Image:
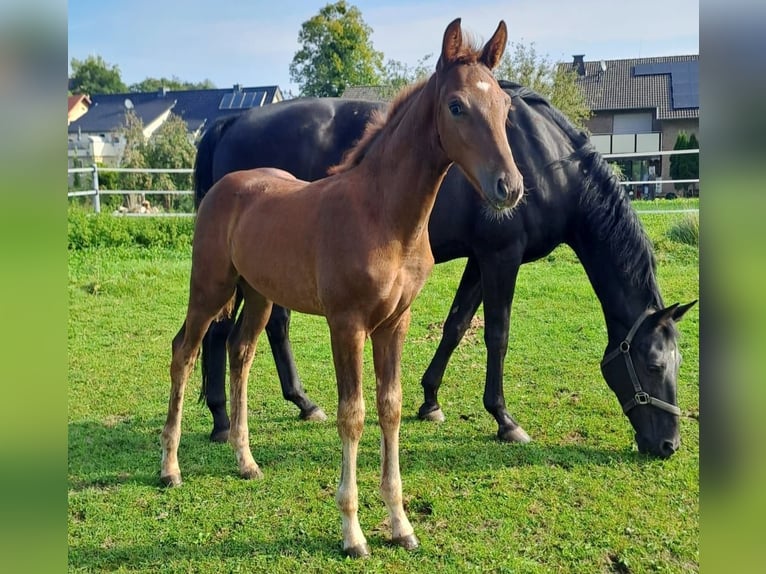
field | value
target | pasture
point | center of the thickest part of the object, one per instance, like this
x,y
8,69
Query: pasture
x,y
579,498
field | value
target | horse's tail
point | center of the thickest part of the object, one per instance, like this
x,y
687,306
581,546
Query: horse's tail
x,y
203,164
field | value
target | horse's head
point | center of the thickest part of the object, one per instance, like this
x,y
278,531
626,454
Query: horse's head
x,y
642,371
471,113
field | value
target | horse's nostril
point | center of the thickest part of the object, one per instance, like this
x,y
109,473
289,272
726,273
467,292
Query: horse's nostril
x,y
503,190
667,448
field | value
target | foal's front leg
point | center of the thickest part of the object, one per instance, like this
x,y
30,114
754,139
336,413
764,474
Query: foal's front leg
x,y
347,350
387,344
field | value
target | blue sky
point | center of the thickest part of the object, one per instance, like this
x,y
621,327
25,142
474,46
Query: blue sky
x,y
253,42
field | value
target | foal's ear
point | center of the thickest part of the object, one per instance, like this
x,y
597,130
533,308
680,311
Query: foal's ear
x,y
493,50
452,43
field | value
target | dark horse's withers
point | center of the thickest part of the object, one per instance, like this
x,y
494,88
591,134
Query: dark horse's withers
x,y
571,197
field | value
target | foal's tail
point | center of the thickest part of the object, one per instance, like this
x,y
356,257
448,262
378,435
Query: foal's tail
x,y
203,164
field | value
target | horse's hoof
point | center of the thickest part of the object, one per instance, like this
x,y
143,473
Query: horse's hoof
x,y
315,415
171,480
516,434
358,551
219,435
409,542
435,416
252,473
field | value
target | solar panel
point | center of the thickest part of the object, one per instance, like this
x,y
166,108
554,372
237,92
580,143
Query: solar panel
x,y
226,102
684,80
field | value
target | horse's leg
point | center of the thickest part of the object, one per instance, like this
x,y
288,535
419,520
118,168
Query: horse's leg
x,y
242,342
347,351
498,281
214,375
278,331
387,354
467,301
204,305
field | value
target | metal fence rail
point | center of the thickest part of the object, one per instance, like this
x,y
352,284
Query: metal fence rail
x,y
96,192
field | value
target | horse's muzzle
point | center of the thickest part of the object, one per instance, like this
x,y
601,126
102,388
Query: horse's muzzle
x,y
508,191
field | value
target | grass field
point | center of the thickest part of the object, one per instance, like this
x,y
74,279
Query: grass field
x,y
579,498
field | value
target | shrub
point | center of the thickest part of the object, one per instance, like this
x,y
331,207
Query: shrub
x,y
687,230
86,230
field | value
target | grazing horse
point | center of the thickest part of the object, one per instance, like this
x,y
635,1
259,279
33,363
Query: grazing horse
x,y
352,247
571,197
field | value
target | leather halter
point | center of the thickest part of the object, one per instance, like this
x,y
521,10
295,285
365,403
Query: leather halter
x,y
641,397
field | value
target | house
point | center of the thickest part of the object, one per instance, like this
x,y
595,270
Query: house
x,y
77,106
94,137
640,105
369,93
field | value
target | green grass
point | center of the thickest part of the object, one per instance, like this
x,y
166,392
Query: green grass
x,y
579,498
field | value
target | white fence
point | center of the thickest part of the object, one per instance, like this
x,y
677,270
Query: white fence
x,y
96,192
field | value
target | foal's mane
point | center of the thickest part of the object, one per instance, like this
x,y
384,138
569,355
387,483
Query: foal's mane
x,y
605,206
468,53
378,120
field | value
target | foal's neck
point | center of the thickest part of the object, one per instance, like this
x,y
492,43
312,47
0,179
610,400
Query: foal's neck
x,y
407,165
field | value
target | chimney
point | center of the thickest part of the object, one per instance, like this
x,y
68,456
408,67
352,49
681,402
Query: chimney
x,y
237,87
579,64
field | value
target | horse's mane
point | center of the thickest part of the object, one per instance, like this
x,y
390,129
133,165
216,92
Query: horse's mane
x,y
605,206
469,53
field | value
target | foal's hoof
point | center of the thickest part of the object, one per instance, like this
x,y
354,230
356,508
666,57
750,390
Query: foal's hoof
x,y
358,551
315,415
409,542
252,473
221,435
171,480
435,416
516,434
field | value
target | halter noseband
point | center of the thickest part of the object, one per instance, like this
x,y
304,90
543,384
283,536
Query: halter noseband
x,y
641,397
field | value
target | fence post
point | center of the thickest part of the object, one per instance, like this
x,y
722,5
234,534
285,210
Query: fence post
x,y
97,197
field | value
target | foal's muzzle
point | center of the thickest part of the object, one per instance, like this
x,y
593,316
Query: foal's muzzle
x,y
507,192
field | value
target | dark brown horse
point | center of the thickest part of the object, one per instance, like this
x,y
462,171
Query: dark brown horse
x,y
571,197
352,247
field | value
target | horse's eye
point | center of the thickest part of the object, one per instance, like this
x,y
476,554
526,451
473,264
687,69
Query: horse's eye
x,y
456,108
655,368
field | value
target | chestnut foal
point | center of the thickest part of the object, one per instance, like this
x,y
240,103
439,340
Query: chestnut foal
x,y
352,247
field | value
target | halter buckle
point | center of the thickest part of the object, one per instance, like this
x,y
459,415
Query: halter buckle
x,y
624,347
643,398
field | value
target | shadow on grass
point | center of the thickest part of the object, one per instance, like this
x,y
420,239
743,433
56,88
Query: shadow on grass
x,y
128,451
157,558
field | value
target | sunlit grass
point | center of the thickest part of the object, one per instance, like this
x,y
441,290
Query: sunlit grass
x,y
579,498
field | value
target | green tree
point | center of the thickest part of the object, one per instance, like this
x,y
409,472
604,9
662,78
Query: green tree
x,y
335,52
171,147
693,159
395,75
523,65
680,165
95,76
173,83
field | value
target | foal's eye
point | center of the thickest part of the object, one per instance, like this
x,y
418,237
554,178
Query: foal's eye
x,y
456,108
655,368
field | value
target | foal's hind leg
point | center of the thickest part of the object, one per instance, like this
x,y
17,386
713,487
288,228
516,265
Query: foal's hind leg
x,y
387,344
242,342
185,348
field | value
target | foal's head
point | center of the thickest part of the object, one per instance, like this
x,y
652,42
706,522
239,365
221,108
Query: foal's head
x,y
471,115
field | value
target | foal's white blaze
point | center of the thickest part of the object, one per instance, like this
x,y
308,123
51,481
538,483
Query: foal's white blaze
x,y
482,85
